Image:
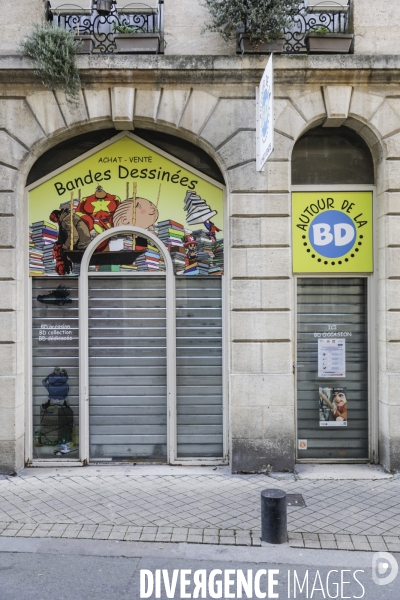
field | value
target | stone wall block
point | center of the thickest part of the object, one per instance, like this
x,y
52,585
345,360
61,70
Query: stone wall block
x,y
278,422
11,152
8,419
260,326
245,232
199,108
7,232
172,105
229,116
261,262
392,228
72,115
287,119
146,104
278,176
259,204
386,120
390,202
283,147
245,294
7,263
44,106
392,146
8,178
7,203
391,265
392,176
247,422
98,104
393,326
239,149
337,102
392,294
275,231
8,359
7,295
310,105
364,104
17,119
277,357
262,390
8,329
122,101
246,357
246,178
276,294
393,357
392,395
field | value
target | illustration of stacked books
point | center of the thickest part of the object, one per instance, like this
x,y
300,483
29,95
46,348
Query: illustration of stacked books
x,y
36,265
44,236
151,260
178,261
197,209
217,263
171,233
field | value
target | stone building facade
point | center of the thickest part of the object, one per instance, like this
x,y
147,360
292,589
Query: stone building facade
x,y
202,92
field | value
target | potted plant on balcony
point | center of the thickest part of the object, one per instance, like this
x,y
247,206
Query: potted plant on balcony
x,y
131,39
259,25
320,40
54,50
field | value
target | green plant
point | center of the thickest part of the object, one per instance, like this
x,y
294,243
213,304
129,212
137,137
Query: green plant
x,y
54,50
126,29
263,20
320,29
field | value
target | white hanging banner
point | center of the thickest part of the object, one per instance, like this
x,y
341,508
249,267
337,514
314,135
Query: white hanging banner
x,y
265,116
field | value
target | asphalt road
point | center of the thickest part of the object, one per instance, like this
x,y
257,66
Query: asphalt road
x,y
47,569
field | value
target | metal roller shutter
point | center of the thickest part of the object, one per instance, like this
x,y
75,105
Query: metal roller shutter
x,y
55,343
199,366
321,304
127,368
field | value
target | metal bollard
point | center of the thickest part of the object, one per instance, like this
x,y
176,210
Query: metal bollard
x,y
273,517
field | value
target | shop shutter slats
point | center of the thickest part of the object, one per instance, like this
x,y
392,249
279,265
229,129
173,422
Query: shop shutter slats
x,y
199,366
127,368
46,355
341,302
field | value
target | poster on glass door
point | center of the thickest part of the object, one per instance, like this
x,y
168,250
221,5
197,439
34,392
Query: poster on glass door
x,y
126,181
332,407
332,357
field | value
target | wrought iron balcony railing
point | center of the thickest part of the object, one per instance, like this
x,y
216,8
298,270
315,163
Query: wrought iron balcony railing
x,y
332,14
86,18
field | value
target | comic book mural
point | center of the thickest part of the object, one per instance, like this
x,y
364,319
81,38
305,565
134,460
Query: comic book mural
x,y
126,182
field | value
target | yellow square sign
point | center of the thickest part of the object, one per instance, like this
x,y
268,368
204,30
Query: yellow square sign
x,y
332,232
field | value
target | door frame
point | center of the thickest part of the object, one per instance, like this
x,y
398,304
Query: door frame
x,y
84,339
372,305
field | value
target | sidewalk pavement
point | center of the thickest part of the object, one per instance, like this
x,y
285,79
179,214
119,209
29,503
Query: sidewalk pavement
x,y
201,505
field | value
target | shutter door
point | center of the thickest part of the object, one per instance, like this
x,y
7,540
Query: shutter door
x,y
55,343
199,366
330,307
127,368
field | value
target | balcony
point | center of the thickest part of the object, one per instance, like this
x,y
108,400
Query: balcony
x,y
106,27
332,15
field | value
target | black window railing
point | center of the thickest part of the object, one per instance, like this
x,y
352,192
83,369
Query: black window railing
x,y
100,25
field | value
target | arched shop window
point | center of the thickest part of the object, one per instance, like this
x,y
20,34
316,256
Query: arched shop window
x,y
333,260
331,156
169,193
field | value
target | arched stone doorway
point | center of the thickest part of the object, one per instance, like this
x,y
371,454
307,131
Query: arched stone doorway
x,y
334,264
